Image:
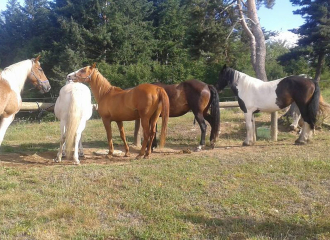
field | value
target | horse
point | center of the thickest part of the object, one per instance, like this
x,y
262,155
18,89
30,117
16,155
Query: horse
x,y
12,80
255,95
73,108
145,102
297,121
198,97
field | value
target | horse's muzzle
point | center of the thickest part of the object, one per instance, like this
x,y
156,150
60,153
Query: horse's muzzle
x,y
45,87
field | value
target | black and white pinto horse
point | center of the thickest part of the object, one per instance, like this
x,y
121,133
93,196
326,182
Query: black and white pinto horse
x,y
255,95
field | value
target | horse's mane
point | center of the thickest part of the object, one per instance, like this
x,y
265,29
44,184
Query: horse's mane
x,y
106,84
228,74
17,73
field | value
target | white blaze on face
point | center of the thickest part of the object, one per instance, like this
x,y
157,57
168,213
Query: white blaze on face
x,y
73,75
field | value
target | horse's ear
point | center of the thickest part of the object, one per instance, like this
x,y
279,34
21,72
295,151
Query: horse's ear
x,y
94,65
37,59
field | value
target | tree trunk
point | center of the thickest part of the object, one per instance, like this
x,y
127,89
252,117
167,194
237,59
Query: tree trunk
x,y
320,63
260,48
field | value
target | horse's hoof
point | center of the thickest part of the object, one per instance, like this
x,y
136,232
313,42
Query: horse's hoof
x,y
57,160
300,142
138,157
199,148
109,156
293,128
76,162
248,143
146,157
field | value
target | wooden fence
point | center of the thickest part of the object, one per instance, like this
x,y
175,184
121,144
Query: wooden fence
x,y
35,106
40,106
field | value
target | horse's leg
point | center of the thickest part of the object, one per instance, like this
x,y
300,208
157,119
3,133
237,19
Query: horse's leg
x,y
75,151
154,141
306,131
137,133
80,130
123,137
62,141
305,134
254,128
146,130
152,133
201,121
213,134
249,129
4,124
77,142
296,117
107,126
80,148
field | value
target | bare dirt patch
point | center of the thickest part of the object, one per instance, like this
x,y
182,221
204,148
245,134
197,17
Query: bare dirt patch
x,y
188,133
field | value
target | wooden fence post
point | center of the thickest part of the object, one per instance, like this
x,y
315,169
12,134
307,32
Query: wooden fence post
x,y
274,127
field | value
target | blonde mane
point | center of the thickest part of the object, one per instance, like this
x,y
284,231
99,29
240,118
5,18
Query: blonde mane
x,y
16,74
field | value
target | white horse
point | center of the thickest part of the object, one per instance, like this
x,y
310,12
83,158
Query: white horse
x,y
73,108
12,80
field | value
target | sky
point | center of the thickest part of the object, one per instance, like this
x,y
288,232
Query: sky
x,y
281,18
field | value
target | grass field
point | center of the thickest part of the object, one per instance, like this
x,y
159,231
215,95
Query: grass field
x,y
273,190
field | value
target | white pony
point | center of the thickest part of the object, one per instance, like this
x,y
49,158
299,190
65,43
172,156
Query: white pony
x,y
73,108
12,80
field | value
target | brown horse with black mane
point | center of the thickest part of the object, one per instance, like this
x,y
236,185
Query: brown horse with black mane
x,y
12,80
146,101
198,97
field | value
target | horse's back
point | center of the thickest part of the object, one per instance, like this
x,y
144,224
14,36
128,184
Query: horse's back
x,y
294,88
77,92
188,95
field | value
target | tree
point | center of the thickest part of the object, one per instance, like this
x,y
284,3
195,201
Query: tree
x,y
255,33
315,32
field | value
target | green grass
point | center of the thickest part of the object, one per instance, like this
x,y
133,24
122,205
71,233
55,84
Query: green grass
x,y
268,191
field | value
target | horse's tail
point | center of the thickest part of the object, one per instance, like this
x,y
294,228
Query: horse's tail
x,y
313,106
73,121
324,107
165,115
215,113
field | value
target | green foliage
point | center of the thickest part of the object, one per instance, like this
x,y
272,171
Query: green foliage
x,y
134,41
315,33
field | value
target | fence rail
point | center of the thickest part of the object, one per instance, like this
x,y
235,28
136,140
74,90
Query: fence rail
x,y
35,106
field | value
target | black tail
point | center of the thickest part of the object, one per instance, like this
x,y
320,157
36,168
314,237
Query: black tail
x,y
215,112
313,105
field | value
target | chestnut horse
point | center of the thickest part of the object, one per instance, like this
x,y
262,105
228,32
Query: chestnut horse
x,y
198,97
255,95
12,80
146,101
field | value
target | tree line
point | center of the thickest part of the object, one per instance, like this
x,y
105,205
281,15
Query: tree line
x,y
137,41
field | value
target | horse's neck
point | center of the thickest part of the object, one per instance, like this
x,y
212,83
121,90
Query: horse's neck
x,y
16,75
99,85
245,79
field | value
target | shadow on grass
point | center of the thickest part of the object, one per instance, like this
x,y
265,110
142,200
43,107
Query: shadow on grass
x,y
241,227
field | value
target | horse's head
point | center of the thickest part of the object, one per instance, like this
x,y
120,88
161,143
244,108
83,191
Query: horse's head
x,y
38,77
223,78
82,75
